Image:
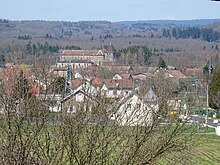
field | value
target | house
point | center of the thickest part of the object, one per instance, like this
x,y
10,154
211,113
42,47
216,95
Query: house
x,y
131,111
116,88
150,96
176,74
77,75
139,69
125,76
83,85
118,68
139,77
59,71
77,101
194,72
8,78
162,73
97,83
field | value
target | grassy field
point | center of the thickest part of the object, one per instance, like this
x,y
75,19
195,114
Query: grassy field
x,y
207,149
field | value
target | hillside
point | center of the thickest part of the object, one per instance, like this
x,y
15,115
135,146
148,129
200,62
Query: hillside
x,y
98,34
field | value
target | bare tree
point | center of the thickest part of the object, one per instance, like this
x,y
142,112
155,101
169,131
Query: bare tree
x,y
30,134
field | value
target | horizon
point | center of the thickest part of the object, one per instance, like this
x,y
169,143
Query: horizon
x,y
197,19
113,11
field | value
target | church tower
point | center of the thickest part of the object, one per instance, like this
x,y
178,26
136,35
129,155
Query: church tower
x,y
110,53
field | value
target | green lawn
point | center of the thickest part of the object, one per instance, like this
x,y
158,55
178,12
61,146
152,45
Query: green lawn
x,y
207,150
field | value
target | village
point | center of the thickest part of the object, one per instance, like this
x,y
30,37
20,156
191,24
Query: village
x,y
132,94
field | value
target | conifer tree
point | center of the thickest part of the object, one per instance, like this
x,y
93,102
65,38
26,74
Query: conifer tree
x,y
162,63
214,90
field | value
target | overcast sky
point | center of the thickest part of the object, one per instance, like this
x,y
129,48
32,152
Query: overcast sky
x,y
111,10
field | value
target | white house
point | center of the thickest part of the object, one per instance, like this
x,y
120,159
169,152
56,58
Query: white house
x,y
78,100
150,96
116,88
131,111
83,85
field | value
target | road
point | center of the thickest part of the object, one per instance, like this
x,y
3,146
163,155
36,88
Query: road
x,y
201,121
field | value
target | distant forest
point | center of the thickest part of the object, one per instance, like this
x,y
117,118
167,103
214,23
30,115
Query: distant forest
x,y
179,43
192,32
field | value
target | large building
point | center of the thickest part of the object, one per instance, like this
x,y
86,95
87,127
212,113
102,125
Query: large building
x,y
83,58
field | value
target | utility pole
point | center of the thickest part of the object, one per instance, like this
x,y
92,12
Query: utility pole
x,y
68,78
207,89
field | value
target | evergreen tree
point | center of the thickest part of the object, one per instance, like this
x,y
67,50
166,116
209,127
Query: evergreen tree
x,y
214,90
162,63
206,71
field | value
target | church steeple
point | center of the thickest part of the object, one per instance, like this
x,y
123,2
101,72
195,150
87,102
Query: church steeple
x,y
110,52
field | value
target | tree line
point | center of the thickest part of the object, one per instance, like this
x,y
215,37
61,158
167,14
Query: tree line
x,y
45,48
192,32
135,55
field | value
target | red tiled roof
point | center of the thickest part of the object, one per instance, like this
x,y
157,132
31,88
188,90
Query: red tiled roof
x,y
9,72
125,83
192,71
76,82
9,78
111,83
35,88
177,74
125,75
13,72
139,68
97,81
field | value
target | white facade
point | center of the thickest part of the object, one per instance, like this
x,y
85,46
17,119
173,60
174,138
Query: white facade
x,y
115,92
133,111
75,65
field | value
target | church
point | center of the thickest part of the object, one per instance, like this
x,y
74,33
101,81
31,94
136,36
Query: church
x,y
78,59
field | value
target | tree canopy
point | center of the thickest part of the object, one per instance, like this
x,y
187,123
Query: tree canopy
x,y
162,63
214,90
